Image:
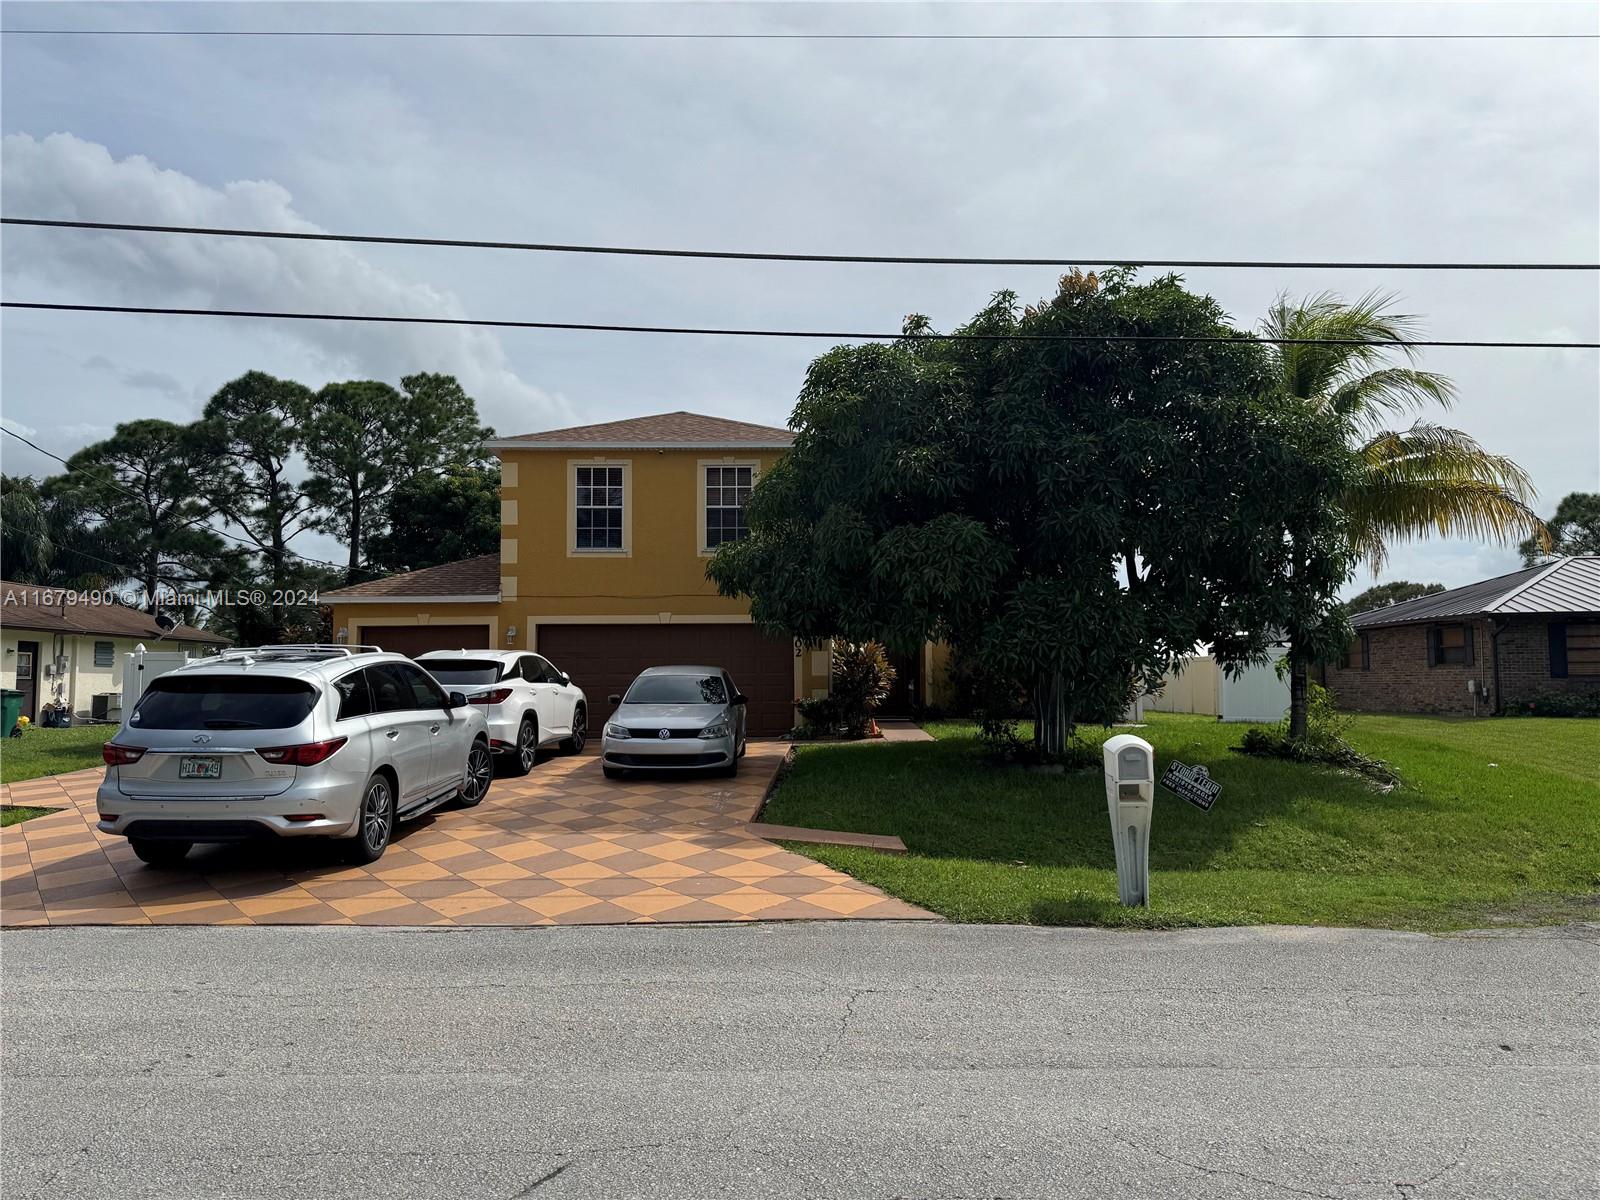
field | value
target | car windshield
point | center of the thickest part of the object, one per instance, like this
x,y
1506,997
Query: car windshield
x,y
676,689
223,702
459,672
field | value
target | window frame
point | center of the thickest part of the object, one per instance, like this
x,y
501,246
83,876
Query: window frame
x,y
573,549
111,656
1438,652
1584,670
700,506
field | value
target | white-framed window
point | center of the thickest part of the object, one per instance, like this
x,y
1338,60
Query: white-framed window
x,y
598,520
724,493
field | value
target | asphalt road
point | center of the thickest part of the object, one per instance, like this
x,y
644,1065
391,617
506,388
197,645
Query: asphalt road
x,y
815,1060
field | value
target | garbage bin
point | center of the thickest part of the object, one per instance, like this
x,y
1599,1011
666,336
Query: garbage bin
x,y
10,710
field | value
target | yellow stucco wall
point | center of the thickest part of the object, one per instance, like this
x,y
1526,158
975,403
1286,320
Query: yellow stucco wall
x,y
349,619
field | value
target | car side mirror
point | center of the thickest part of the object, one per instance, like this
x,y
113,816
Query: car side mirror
x,y
566,679
738,698
456,700
615,699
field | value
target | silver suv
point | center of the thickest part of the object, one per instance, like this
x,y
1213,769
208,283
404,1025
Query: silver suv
x,y
290,741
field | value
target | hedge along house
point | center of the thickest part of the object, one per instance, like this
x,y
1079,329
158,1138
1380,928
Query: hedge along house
x,y
64,647
605,534
1479,649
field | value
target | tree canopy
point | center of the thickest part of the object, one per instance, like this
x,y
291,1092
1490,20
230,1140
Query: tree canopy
x,y
1384,594
1074,513
1574,529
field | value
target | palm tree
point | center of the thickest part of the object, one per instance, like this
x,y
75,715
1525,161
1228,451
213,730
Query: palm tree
x,y
1423,479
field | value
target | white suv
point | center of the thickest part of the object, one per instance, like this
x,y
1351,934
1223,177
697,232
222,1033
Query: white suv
x,y
529,703
290,741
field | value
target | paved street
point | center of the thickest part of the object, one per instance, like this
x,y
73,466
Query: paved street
x,y
798,1060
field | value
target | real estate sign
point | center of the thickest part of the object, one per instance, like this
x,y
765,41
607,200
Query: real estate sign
x,y
1194,784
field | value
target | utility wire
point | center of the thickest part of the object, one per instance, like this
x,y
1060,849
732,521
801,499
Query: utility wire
x,y
775,256
600,35
838,335
248,543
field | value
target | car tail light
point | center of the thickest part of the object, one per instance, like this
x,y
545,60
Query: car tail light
x,y
303,817
116,755
307,754
494,696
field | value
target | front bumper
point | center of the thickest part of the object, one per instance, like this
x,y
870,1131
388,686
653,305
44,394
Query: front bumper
x,y
225,820
653,754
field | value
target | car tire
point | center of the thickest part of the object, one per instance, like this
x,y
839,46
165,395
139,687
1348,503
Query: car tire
x,y
158,852
580,732
374,821
731,769
526,752
614,772
480,774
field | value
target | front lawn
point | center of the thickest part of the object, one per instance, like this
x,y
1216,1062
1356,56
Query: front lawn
x,y
41,751
1495,820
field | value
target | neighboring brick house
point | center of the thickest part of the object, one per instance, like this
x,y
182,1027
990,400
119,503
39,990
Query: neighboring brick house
x,y
1474,650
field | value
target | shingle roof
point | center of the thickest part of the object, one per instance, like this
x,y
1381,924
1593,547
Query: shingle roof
x,y
57,610
664,430
467,577
1568,585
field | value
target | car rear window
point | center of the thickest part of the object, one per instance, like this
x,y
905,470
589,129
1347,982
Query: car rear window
x,y
458,671
223,702
676,689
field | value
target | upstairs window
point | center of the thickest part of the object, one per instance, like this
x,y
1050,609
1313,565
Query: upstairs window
x,y
727,491
598,508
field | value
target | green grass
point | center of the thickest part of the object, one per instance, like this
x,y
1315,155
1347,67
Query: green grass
x,y
1495,821
15,814
42,751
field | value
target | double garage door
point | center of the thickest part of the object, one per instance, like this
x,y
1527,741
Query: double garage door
x,y
603,659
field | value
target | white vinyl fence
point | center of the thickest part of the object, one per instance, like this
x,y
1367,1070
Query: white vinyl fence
x,y
141,666
1259,695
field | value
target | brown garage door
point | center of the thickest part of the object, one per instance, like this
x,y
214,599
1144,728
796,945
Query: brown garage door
x,y
413,640
603,659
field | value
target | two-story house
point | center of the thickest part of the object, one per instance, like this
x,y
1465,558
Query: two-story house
x,y
605,535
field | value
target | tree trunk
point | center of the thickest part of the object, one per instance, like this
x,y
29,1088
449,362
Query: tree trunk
x,y
1299,671
355,538
1052,723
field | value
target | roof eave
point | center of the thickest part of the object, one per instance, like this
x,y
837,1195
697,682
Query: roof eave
x,y
512,444
359,598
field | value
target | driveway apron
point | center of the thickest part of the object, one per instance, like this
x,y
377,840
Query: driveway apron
x,y
561,846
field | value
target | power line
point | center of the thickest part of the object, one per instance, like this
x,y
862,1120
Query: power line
x,y
837,335
248,543
603,35
774,256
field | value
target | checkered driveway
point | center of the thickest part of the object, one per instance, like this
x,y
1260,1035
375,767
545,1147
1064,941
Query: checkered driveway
x,y
563,846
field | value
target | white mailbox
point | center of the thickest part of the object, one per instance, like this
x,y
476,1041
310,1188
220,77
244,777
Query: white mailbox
x,y
1130,795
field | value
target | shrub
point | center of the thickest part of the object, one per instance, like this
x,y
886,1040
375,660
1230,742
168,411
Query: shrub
x,y
1324,741
860,682
1556,704
861,679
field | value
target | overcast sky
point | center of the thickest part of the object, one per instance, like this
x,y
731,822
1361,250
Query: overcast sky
x,y
1304,149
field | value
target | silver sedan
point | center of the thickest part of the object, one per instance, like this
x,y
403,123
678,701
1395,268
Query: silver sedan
x,y
676,718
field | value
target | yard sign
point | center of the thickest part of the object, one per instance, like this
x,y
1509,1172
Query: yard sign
x,y
1194,784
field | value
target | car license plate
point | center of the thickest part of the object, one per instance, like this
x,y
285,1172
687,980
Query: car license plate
x,y
199,768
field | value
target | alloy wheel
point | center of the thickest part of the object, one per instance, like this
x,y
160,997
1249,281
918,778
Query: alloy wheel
x,y
480,770
580,730
375,816
527,745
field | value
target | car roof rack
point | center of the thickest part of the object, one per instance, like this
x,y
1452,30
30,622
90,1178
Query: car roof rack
x,y
292,652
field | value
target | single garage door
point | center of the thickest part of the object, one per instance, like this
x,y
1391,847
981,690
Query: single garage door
x,y
603,659
412,640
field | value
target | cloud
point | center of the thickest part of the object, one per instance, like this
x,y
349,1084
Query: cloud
x,y
65,177
26,431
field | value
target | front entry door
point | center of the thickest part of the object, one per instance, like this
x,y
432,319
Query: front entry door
x,y
905,692
28,678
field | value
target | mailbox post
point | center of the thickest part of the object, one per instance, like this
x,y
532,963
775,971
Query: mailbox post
x,y
1130,764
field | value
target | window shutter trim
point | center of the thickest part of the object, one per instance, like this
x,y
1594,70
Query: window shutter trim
x,y
1558,649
